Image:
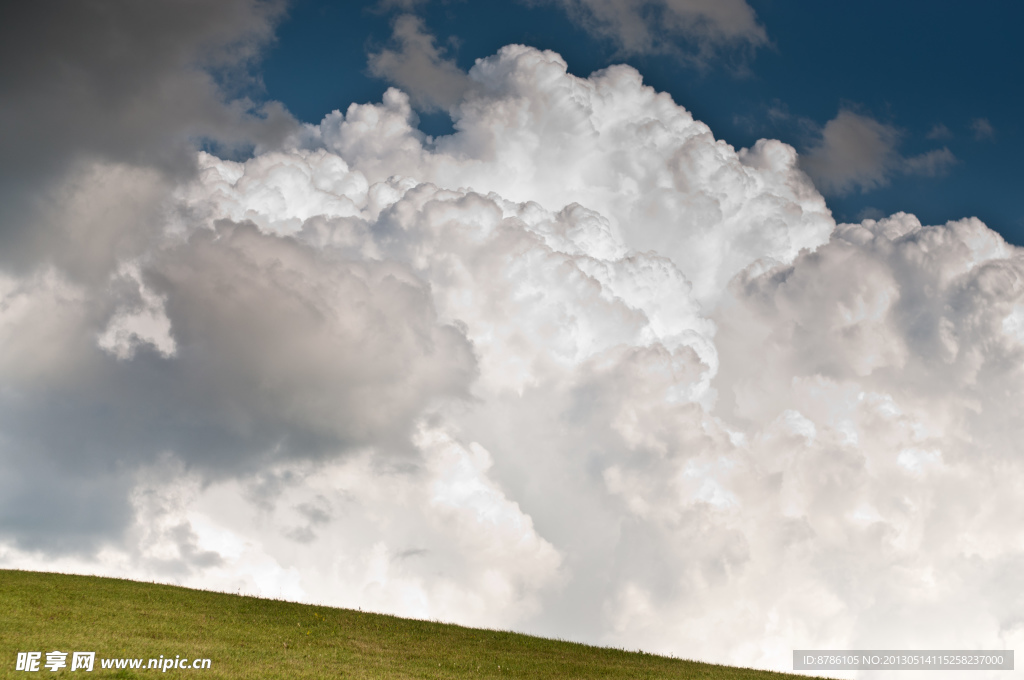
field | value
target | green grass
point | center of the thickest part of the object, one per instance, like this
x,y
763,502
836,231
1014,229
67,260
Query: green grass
x,y
249,637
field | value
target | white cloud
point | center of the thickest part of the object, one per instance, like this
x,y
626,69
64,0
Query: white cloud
x,y
578,368
436,540
531,132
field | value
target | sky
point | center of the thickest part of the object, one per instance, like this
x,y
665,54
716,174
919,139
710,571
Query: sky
x,y
932,76
685,326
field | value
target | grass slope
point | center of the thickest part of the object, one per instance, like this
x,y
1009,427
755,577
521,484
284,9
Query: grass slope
x,y
249,637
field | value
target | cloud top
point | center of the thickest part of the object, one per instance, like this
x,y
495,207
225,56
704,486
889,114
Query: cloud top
x,y
530,131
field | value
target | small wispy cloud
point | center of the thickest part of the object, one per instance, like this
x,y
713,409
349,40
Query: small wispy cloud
x,y
403,5
857,152
982,129
854,152
418,66
657,26
939,131
930,164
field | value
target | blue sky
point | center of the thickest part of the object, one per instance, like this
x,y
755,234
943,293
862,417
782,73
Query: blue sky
x,y
930,72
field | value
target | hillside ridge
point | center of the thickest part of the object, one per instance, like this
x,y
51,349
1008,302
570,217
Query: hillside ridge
x,y
130,624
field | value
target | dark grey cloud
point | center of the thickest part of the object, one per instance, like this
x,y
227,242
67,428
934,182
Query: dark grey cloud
x,y
280,352
117,81
295,348
102,104
51,506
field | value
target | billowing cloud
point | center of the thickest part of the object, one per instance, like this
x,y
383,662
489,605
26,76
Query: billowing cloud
x,y
578,368
644,26
858,152
609,143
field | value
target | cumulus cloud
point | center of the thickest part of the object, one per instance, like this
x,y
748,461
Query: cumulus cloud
x,y
858,152
578,368
645,26
895,390
609,143
419,67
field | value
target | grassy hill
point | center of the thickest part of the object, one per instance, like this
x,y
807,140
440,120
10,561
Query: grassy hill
x,y
249,637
